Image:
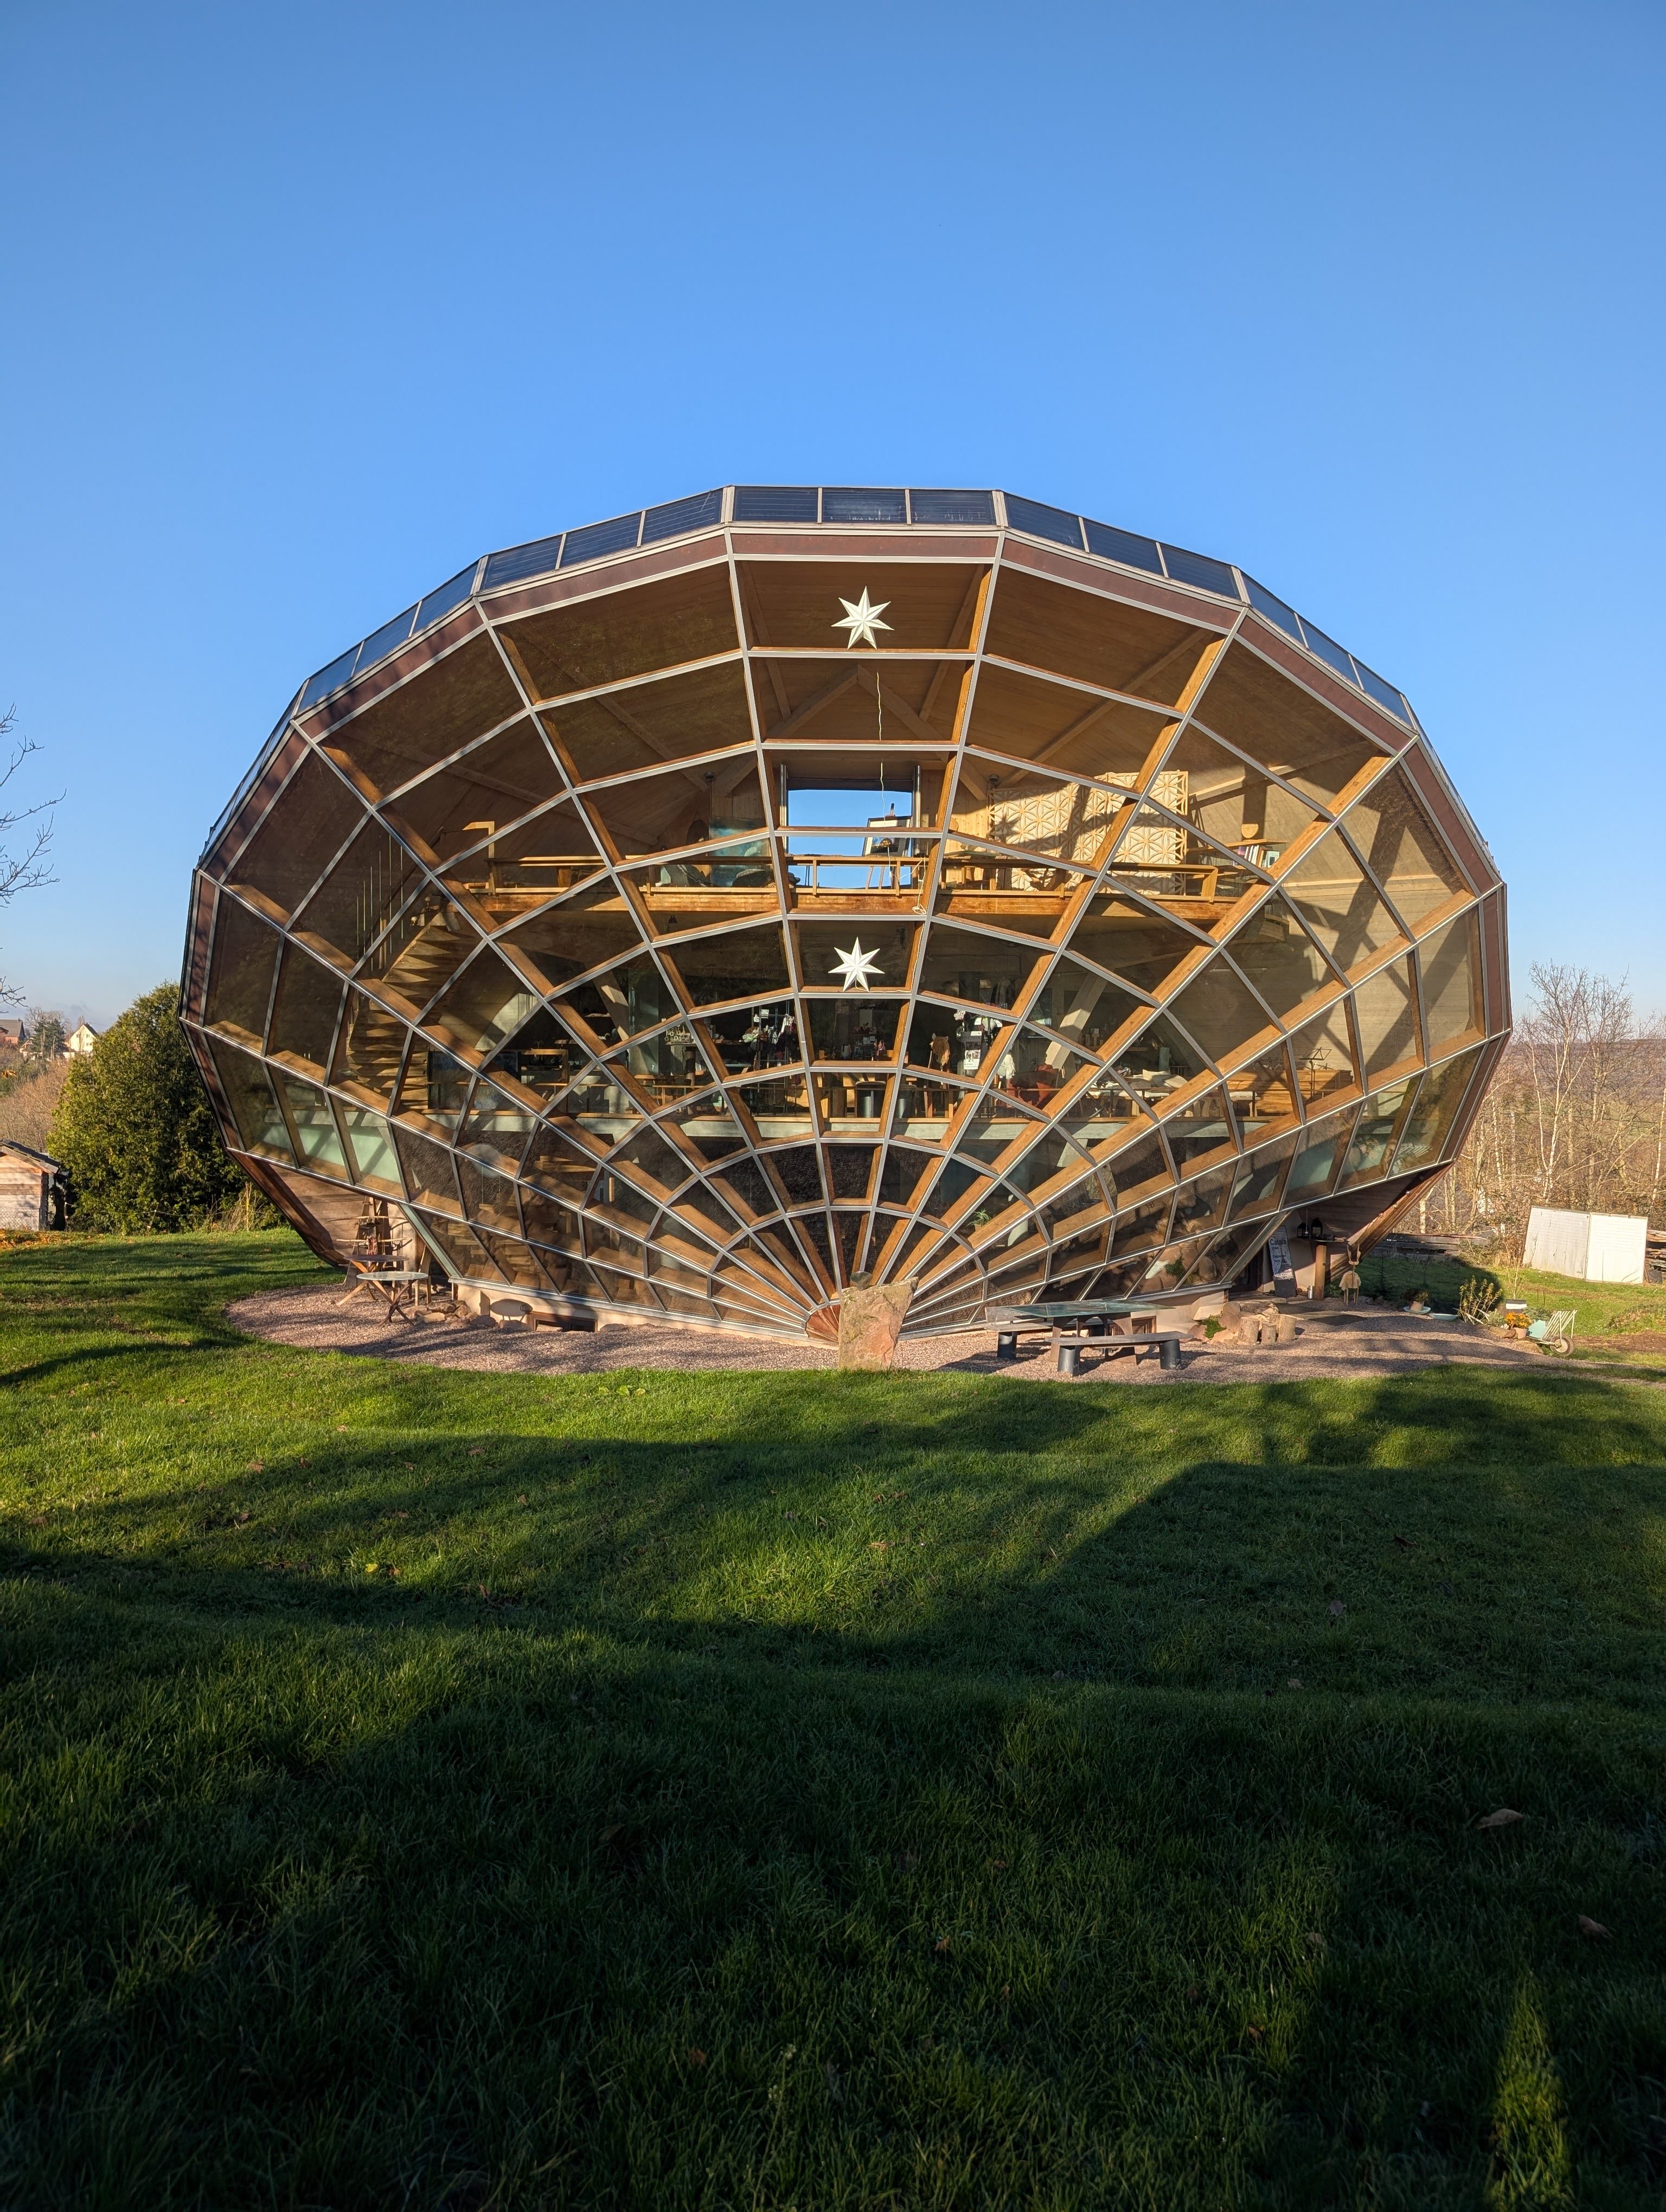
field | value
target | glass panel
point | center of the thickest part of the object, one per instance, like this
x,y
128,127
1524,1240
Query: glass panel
x,y
853,1029
593,926
1135,1167
976,509
1198,569
904,1177
1256,1188
1158,1061
707,1125
617,535
797,1168
487,1002
1279,958
360,895
314,1125
1451,961
1285,728
540,1057
1431,1119
741,964
1169,1270
980,882
515,870
1339,903
516,562
1218,1008
370,1145
1142,1227
1096,641
1385,1006
675,516
1324,1058
1315,1162
435,1086
1201,1131
422,952
240,979
496,1127
690,806
372,1044
780,1109
552,1226
963,964
254,1109
778,503
945,1041
1033,1067
489,1200
654,1163
879,951
1234,802
517,1262
312,818
1070,733
844,503
669,1066
1082,1005
1227,1256
492,786
1374,1133
1113,545
1039,520
1403,849
1201,1204
459,1250
854,1105
705,711
1133,941
448,595
459,697
624,1000
1264,1094
559,1164
305,1011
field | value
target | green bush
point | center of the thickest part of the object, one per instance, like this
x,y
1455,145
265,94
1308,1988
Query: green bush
x,y
137,1132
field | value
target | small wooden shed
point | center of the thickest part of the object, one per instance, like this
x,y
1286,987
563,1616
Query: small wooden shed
x,y
31,1187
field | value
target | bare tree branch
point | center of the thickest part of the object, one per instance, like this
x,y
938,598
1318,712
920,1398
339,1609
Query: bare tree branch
x,y
28,868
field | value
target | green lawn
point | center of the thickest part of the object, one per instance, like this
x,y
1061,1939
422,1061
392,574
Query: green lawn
x,y
812,1790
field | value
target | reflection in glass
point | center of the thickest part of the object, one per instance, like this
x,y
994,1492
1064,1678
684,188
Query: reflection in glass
x,y
1451,961
1431,1119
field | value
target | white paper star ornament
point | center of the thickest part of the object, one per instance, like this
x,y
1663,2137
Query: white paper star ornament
x,y
856,967
861,619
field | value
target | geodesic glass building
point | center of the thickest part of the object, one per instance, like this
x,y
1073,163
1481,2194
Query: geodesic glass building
x,y
683,914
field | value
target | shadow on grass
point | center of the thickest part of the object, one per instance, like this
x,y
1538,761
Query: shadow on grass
x,y
713,1829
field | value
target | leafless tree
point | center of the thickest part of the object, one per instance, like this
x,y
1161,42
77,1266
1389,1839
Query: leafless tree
x,y
1576,1115
27,867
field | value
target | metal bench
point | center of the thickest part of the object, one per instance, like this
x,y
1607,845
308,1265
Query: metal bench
x,y
1070,1348
1089,1318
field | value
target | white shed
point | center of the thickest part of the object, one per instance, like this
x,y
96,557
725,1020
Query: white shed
x,y
1594,1248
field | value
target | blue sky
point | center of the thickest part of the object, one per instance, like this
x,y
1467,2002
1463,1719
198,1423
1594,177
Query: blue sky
x,y
308,306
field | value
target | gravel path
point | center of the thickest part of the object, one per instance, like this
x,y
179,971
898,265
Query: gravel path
x,y
1364,1340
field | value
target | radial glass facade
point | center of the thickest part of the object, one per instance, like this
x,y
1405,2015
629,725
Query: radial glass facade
x,y
686,913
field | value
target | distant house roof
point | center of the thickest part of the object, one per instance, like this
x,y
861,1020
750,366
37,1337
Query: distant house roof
x,y
28,1156
12,1032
